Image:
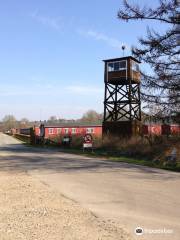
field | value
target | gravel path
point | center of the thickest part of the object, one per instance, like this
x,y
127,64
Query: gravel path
x,y
30,210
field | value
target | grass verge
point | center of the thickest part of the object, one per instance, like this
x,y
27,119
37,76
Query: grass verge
x,y
117,157
113,156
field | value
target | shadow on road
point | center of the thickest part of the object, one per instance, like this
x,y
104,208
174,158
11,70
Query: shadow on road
x,y
17,157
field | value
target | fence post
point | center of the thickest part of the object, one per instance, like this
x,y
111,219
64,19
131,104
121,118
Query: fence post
x,y
32,136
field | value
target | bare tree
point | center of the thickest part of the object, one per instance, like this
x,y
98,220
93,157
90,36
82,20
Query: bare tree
x,y
24,123
91,116
161,51
52,120
9,122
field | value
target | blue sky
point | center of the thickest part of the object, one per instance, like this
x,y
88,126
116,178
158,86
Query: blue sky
x,y
52,52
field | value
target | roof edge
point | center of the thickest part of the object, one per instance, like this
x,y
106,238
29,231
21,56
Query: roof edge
x,y
121,58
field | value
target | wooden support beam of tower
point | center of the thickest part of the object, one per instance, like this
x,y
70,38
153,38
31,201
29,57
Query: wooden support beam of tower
x,y
122,101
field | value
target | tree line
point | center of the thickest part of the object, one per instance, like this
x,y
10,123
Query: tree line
x,y
90,117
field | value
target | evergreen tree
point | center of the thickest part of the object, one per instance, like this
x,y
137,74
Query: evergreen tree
x,y
161,51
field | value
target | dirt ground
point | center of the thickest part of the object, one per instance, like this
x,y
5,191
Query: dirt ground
x,y
30,210
48,194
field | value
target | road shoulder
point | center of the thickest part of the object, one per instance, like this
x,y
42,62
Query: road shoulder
x,y
32,210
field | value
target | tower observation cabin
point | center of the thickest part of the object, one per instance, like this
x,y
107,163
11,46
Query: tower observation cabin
x,y
122,105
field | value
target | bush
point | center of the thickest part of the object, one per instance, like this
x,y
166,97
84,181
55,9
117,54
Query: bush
x,y
154,148
77,141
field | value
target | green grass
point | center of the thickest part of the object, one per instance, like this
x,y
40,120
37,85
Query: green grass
x,y
144,162
113,156
116,157
131,160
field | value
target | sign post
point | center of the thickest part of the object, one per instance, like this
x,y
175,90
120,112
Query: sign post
x,y
66,141
88,142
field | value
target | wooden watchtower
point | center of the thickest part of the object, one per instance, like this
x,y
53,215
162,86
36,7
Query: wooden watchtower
x,y
122,104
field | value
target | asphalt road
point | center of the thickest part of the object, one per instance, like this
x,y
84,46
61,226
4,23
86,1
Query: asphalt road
x,y
134,196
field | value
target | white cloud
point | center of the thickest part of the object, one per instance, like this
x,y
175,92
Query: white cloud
x,y
51,22
113,42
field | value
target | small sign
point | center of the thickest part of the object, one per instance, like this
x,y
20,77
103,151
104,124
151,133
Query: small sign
x,y
88,138
87,145
66,141
88,141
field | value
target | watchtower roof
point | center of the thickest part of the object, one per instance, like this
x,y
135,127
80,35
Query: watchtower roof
x,y
120,59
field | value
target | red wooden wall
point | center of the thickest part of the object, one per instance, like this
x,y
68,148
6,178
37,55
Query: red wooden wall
x,y
53,131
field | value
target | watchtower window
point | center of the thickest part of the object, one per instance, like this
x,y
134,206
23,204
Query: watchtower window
x,y
135,66
117,66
